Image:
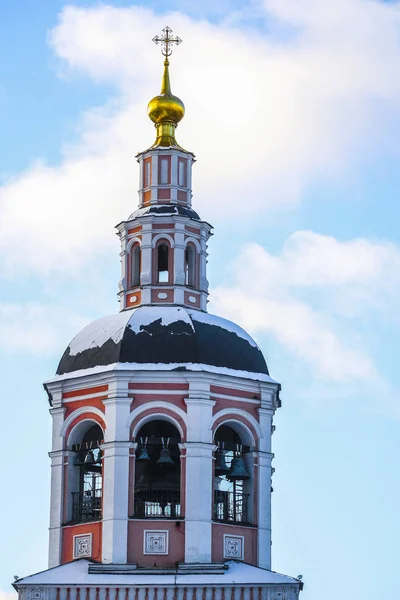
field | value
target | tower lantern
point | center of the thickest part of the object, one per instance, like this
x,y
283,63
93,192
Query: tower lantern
x,y
162,419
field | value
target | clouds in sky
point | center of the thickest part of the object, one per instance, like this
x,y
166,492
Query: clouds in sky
x,y
281,110
7,595
268,114
313,297
36,329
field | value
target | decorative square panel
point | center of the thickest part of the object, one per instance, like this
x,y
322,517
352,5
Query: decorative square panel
x,y
83,545
155,542
281,593
234,547
37,594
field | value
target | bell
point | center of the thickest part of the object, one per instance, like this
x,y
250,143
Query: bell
x,y
165,457
238,471
89,459
79,461
143,454
221,468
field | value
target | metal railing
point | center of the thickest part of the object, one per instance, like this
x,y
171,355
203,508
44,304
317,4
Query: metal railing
x,y
86,506
161,504
231,507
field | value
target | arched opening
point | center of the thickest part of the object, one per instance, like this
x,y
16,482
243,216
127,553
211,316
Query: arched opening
x,y
190,266
157,472
87,477
232,478
162,263
135,265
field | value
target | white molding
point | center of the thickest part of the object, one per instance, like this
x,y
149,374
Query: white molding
x,y
156,405
218,396
85,397
164,533
89,410
82,535
171,392
238,538
163,236
240,413
132,241
194,242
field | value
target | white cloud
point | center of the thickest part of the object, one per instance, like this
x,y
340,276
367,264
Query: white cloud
x,y
313,298
8,595
37,329
282,108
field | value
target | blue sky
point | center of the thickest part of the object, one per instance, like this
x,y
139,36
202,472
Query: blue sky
x,y
293,113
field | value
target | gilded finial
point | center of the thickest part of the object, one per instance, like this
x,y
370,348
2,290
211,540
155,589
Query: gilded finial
x,y
166,110
167,41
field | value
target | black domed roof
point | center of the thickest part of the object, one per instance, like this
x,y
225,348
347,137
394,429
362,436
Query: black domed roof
x,y
168,337
165,209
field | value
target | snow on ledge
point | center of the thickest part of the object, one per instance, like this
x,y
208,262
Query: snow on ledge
x,y
180,367
76,573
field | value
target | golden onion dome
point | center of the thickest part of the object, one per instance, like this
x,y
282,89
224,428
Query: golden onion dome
x,y
166,111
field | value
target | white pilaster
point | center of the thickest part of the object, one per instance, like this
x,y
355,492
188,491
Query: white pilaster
x,y
116,473
198,474
56,507
146,249
179,257
264,490
57,480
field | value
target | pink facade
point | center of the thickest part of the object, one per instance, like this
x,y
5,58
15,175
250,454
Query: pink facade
x,y
136,550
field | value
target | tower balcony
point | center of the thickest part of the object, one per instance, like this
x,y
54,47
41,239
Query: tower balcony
x,y
157,504
231,507
86,506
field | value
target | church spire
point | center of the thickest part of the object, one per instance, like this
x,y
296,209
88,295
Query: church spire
x,y
166,110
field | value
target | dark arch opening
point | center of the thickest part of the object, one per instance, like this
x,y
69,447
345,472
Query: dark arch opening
x,y
162,263
190,266
86,501
158,471
135,257
232,483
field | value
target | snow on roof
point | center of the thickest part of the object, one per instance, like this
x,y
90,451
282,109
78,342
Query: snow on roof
x,y
97,333
169,314
210,319
76,573
163,367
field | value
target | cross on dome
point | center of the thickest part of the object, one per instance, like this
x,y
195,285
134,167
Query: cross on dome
x,y
167,41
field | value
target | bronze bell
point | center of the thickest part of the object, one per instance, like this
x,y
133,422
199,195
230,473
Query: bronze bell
x,y
98,457
238,471
143,454
165,457
89,459
79,461
221,468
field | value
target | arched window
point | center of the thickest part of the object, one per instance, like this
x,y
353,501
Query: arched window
x,y
86,498
135,265
157,472
232,481
162,263
190,266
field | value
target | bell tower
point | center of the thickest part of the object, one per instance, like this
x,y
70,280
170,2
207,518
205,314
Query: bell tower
x,y
164,243
162,413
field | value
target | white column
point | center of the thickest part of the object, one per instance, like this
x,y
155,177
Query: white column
x,y
57,482
179,254
116,473
264,490
189,180
146,249
199,448
154,178
203,261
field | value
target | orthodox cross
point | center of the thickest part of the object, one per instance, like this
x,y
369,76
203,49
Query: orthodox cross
x,y
167,41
